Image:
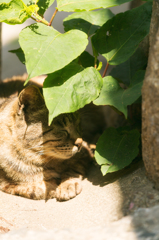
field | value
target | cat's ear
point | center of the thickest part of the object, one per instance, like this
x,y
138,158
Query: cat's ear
x,y
31,98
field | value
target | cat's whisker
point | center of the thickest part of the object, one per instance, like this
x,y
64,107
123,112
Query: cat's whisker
x,y
37,146
40,152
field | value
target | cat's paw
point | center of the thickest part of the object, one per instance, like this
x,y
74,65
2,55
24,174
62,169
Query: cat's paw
x,y
68,189
89,148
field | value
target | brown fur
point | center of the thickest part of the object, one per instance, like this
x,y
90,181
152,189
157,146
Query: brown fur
x,y
36,160
39,161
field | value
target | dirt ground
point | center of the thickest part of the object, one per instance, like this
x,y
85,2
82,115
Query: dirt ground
x,y
102,201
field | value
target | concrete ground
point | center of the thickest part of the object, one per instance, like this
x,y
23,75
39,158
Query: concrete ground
x,y
102,201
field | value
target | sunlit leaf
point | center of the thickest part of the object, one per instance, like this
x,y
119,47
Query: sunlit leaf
x,y
47,50
15,12
86,5
71,88
88,22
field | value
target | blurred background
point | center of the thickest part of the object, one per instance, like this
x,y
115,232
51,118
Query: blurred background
x,y
11,65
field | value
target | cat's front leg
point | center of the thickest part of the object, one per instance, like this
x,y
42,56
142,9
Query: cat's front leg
x,y
33,190
69,188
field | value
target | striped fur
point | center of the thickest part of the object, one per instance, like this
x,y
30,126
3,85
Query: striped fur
x,y
39,161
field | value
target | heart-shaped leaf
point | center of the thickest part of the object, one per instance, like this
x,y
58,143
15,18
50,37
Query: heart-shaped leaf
x,y
116,149
47,50
120,36
112,94
71,88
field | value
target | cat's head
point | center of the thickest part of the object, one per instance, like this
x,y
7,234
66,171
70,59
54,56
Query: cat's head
x,y
59,140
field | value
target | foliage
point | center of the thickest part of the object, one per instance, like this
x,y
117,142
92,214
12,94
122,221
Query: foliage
x,y
114,95
51,49
73,78
119,37
71,89
110,152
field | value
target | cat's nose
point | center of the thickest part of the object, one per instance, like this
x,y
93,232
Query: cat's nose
x,y
78,142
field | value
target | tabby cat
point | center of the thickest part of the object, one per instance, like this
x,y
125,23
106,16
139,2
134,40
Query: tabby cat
x,y
39,161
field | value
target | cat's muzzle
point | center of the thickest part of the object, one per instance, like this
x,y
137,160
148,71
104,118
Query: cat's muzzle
x,y
77,145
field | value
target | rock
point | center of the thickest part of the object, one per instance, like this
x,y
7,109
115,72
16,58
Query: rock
x,y
150,100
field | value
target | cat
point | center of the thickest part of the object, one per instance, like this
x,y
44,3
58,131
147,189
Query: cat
x,y
39,161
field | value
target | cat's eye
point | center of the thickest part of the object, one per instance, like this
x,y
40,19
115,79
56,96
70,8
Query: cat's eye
x,y
61,134
47,131
65,133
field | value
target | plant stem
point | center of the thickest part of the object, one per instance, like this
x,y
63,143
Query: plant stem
x,y
95,62
54,14
38,18
105,70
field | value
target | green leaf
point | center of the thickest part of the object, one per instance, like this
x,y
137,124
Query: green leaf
x,y
112,94
44,5
47,50
15,12
88,22
30,2
20,54
4,1
124,72
27,2
120,36
116,149
86,60
86,5
71,88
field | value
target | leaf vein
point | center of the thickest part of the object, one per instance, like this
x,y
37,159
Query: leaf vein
x,y
127,40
